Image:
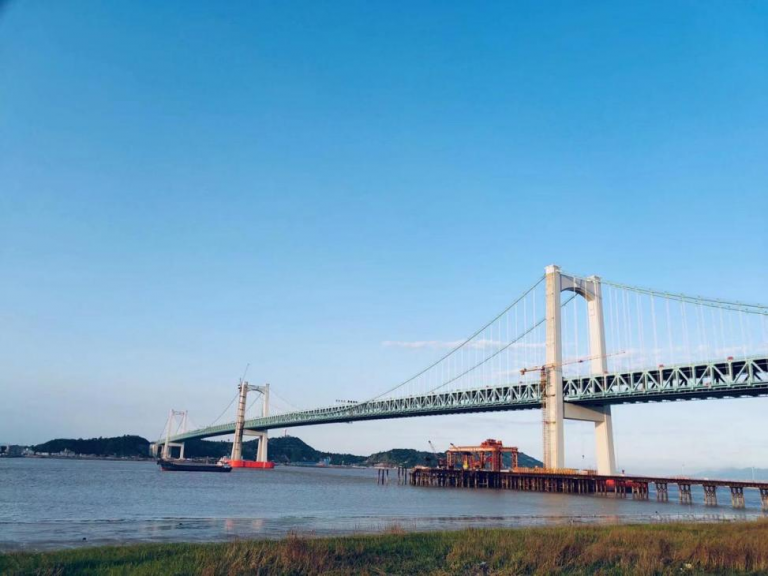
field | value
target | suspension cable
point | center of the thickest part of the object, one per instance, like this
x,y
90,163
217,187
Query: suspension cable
x,y
291,404
224,411
499,351
749,308
460,346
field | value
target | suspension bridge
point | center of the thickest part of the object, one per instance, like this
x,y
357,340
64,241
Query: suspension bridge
x,y
570,346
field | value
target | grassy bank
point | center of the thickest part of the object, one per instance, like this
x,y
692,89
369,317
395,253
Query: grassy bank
x,y
642,549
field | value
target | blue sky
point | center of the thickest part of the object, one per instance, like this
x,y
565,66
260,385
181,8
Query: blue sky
x,y
189,187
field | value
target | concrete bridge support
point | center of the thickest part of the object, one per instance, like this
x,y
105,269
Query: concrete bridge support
x,y
710,495
261,450
555,411
662,492
764,498
737,496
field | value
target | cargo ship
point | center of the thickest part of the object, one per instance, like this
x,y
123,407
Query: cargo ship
x,y
189,466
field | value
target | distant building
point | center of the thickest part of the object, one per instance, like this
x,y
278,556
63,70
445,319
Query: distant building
x,y
11,451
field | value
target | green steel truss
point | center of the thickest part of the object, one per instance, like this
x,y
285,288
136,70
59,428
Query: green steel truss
x,y
711,380
731,378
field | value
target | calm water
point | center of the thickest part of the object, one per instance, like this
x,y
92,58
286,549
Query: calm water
x,y
46,504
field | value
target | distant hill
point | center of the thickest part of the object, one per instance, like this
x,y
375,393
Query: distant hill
x,y
401,457
744,474
281,449
122,446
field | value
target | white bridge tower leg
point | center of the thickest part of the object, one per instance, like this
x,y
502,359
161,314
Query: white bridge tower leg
x,y
261,454
552,395
606,457
555,409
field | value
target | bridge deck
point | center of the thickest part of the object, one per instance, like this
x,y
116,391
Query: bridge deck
x,y
726,379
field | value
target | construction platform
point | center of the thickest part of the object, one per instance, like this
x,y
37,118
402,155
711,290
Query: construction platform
x,y
580,482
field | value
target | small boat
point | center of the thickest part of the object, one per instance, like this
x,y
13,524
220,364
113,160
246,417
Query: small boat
x,y
188,466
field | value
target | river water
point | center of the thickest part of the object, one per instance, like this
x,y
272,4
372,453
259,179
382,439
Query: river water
x,y
51,504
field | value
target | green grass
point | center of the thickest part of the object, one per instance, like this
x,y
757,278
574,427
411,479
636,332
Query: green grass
x,y
643,549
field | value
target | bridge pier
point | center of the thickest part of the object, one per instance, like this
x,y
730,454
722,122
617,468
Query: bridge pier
x,y
261,449
640,490
710,495
662,492
555,411
737,496
685,493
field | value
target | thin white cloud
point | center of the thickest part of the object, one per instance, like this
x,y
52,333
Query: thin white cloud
x,y
480,344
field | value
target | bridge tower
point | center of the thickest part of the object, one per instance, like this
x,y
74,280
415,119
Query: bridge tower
x,y
167,446
240,431
555,410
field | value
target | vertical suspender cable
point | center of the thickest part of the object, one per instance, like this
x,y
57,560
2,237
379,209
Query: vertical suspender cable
x,y
655,336
669,330
619,332
764,329
516,352
743,337
576,334
731,340
686,340
525,326
715,352
723,344
625,313
703,348
640,327
608,293
509,352
534,312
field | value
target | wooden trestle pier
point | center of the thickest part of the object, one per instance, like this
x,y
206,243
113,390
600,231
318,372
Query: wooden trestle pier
x,y
576,482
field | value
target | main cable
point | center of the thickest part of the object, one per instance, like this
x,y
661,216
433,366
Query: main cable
x,y
224,411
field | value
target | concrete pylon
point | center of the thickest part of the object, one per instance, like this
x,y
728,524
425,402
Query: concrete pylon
x,y
555,409
237,443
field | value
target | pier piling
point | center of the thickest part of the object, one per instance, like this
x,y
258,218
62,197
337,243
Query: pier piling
x,y
577,482
737,496
710,495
